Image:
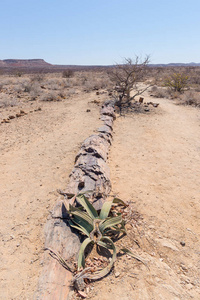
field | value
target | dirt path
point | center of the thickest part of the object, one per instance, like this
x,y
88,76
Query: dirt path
x,y
37,156
155,164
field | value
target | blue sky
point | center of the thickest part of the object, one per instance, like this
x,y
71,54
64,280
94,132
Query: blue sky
x,y
100,32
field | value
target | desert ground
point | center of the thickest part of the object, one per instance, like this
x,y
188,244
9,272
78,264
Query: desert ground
x,y
154,163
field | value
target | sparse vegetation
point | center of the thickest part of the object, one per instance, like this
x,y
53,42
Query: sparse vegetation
x,y
176,82
190,98
99,229
123,82
127,78
51,96
68,73
6,100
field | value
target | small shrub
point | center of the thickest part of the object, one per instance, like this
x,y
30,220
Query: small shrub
x,y
66,83
18,73
159,92
18,88
70,92
6,100
176,82
100,229
68,73
35,91
190,98
37,78
49,97
27,86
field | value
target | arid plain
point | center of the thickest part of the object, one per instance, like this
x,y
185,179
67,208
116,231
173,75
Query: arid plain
x,y
154,164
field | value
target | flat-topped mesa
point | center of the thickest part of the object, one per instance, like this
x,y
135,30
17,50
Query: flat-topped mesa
x,y
90,172
20,63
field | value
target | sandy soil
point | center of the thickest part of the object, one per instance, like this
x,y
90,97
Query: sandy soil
x,y
155,164
155,167
37,156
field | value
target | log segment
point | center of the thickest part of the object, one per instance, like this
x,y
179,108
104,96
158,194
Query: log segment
x,y
90,172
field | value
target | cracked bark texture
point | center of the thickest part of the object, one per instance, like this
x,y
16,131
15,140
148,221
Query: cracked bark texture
x,y
90,172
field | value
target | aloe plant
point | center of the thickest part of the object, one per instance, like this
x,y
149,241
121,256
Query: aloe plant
x,y
96,227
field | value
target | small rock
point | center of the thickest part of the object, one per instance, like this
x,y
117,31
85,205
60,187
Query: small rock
x,y
168,244
5,121
189,286
88,110
182,243
155,104
11,117
141,99
117,274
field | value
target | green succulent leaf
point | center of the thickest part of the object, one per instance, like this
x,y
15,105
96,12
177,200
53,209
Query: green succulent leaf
x,y
108,245
110,223
81,214
82,223
79,227
107,207
81,256
87,206
105,210
119,201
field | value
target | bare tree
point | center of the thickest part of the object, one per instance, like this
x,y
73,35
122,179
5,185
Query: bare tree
x,y
127,78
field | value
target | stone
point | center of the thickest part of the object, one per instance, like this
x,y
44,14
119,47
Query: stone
x,y
90,172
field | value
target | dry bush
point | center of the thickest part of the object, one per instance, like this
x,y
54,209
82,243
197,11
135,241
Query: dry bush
x,y
92,81
177,82
68,73
66,83
7,100
159,92
162,92
53,83
190,98
50,96
27,86
127,77
18,88
194,76
70,92
37,78
6,81
35,91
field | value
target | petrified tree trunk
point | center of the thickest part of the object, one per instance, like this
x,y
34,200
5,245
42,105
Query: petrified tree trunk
x,y
90,173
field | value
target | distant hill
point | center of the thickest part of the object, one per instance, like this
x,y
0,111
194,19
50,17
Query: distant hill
x,y
192,64
40,65
21,63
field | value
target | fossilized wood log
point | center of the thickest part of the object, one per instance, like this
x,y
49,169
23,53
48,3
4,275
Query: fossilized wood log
x,y
95,145
90,172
